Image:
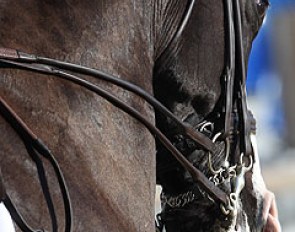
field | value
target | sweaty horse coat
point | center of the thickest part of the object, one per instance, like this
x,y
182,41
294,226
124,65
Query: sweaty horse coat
x,y
107,157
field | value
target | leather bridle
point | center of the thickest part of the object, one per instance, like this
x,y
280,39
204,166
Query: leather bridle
x,y
234,103
238,125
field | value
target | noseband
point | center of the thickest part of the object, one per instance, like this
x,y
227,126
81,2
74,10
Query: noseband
x,y
234,104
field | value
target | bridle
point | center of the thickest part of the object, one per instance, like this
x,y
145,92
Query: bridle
x,y
238,123
235,103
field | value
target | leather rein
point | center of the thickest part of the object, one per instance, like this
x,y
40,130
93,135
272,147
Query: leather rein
x,y
235,102
238,126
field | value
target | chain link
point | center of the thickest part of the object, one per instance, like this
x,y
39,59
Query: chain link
x,y
180,200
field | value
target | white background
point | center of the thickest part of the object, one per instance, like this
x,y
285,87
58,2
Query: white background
x,y
5,220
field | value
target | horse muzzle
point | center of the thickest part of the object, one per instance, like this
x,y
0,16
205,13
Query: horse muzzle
x,y
270,213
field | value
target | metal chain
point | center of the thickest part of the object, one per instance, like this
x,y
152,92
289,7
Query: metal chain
x,y
180,200
235,175
237,183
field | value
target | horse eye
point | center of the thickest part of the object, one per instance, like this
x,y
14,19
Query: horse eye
x,y
262,6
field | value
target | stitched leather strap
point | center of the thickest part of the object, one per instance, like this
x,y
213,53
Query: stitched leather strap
x,y
35,147
50,66
16,216
216,193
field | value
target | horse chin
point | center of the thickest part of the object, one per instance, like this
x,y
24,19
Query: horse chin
x,y
270,213
257,209
255,212
268,209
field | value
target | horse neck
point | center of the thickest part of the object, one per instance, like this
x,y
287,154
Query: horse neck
x,y
113,35
107,157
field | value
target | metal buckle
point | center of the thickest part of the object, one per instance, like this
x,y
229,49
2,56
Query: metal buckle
x,y
225,172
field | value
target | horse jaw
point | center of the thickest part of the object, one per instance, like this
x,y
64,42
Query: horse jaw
x,y
266,204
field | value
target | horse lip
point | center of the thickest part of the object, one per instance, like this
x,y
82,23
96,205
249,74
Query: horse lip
x,y
270,213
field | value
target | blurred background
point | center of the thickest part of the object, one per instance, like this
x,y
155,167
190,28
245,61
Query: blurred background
x,y
271,92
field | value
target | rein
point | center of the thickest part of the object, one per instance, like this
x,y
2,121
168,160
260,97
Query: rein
x,y
235,103
238,123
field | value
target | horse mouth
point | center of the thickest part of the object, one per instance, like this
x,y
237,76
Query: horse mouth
x,y
270,213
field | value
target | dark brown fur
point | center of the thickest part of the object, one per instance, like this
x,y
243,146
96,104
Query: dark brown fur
x,y
107,157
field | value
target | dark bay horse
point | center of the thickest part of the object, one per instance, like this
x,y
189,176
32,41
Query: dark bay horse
x,y
107,157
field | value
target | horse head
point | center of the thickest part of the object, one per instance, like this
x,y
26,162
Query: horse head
x,y
174,49
192,73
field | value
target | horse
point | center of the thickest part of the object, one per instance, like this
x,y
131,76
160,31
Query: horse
x,y
107,157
